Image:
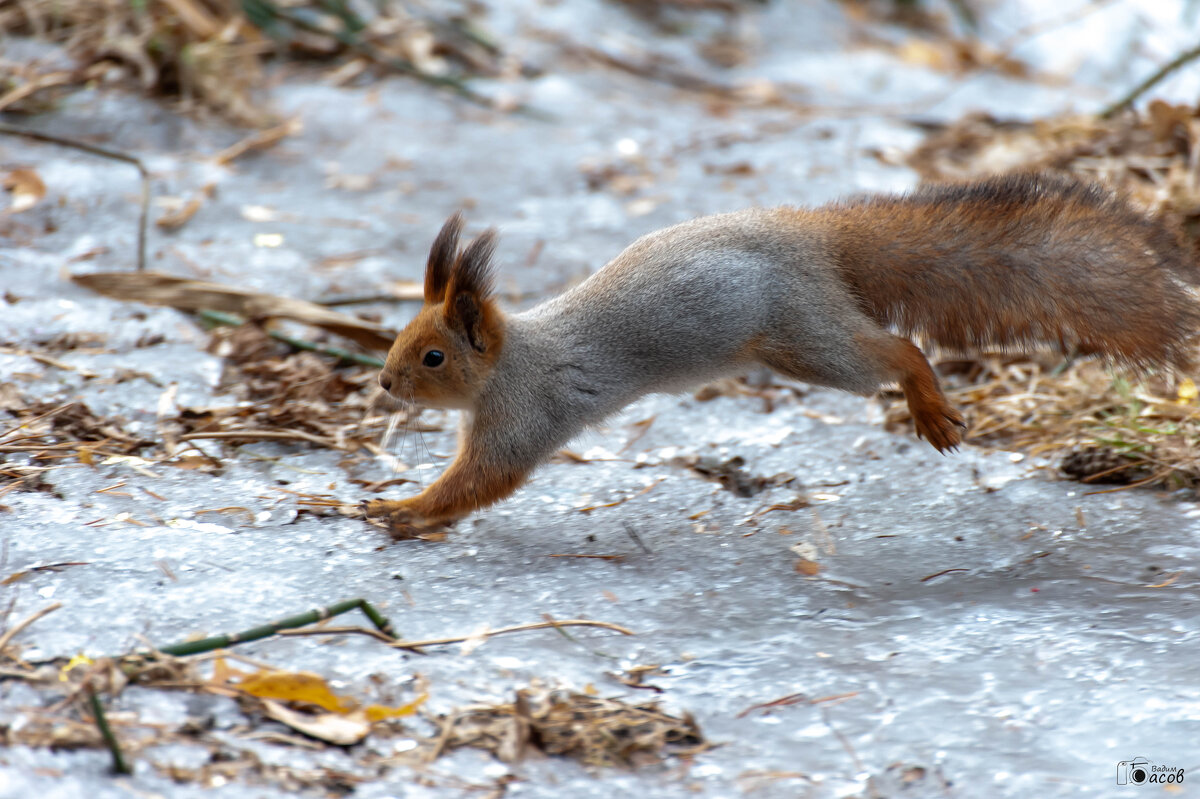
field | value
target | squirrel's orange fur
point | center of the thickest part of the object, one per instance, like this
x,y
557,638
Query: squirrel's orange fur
x,y
814,294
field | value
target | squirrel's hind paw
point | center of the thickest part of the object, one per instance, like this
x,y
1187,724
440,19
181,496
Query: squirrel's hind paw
x,y
942,427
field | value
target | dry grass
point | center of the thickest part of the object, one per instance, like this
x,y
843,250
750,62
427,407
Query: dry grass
x,y
1152,155
594,730
1098,425
211,53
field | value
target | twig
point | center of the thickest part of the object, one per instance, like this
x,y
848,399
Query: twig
x,y
364,299
1162,72
21,625
261,435
624,499
60,446
637,539
224,319
796,699
858,764
378,636
263,631
120,766
38,418
655,69
34,86
49,361
257,141
935,575
1152,478
443,737
541,625
103,152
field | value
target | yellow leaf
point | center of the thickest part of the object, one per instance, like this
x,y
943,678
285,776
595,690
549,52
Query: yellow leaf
x,y
380,712
79,660
224,674
295,686
922,54
1187,391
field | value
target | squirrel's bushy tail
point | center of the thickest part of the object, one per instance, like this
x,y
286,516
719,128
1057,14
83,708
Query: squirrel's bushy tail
x,y
1020,260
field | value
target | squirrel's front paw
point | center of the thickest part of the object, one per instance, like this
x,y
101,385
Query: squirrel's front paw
x,y
402,522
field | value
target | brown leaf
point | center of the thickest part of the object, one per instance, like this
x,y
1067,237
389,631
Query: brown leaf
x,y
809,568
180,216
26,188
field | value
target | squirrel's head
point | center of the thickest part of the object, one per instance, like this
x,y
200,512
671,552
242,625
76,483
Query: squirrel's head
x,y
442,358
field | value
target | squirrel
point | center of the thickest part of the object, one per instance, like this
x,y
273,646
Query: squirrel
x,y
814,294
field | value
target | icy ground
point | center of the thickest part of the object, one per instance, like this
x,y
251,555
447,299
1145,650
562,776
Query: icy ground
x,y
1060,636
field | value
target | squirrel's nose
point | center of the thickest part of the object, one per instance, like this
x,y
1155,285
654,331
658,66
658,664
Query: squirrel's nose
x,y
385,382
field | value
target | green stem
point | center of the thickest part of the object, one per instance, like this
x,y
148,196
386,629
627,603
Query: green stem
x,y
262,631
120,766
219,318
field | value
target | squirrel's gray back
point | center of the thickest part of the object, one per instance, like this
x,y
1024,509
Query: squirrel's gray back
x,y
677,307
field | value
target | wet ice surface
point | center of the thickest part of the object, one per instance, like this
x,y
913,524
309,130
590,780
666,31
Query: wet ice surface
x,y
1039,656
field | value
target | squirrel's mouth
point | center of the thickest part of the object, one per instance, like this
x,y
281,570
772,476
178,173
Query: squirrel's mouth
x,y
387,402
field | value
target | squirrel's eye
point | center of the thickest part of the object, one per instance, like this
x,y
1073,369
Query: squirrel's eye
x,y
433,358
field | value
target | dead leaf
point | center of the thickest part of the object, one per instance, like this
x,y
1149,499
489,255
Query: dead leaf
x,y
295,686
332,728
475,640
185,210
26,188
154,288
260,141
381,712
407,290
809,568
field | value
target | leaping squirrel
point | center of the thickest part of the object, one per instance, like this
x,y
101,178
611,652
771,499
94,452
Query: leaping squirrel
x,y
810,293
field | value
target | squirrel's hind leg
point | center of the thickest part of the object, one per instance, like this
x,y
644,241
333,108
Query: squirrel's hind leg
x,y
935,419
868,358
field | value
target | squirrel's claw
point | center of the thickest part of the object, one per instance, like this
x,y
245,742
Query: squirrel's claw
x,y
943,428
401,522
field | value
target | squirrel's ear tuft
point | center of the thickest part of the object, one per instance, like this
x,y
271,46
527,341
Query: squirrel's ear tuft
x,y
472,273
468,297
442,256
